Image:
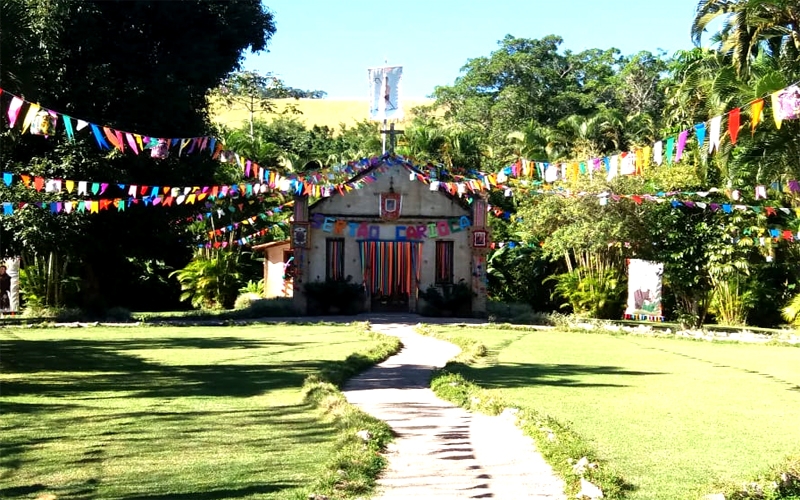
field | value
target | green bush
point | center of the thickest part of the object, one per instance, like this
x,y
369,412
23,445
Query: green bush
x,y
334,296
245,299
267,308
519,314
118,314
447,300
211,280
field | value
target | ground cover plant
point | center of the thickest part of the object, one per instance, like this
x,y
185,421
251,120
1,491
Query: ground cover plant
x,y
666,418
179,412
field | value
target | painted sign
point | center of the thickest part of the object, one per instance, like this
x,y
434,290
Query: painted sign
x,y
644,290
394,232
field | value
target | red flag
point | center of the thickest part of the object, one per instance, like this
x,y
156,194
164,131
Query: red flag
x,y
733,124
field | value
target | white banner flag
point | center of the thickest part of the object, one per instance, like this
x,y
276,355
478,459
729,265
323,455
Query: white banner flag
x,y
384,93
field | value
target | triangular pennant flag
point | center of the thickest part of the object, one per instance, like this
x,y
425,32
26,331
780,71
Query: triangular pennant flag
x,y
733,124
776,109
81,125
32,110
120,140
70,186
68,127
755,114
8,178
98,135
714,130
111,136
658,149
700,132
682,137
670,149
13,111
131,142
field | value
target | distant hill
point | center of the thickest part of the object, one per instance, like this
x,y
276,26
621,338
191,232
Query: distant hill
x,y
330,112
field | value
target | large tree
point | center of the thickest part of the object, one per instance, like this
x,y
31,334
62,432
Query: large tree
x,y
139,66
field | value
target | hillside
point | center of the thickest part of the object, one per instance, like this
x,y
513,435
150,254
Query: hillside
x,y
323,112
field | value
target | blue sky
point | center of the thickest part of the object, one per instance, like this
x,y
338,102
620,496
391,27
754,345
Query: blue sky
x,y
329,44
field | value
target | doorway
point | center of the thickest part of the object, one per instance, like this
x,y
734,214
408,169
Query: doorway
x,y
391,273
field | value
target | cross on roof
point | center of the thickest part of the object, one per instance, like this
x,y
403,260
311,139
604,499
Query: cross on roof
x,y
392,133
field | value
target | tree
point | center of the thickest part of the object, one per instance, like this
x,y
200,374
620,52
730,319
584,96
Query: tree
x,y
750,25
524,80
257,92
137,66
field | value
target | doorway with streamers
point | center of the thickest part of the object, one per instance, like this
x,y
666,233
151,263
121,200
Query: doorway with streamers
x,y
391,271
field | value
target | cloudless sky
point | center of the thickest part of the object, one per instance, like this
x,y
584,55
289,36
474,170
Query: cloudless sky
x,y
329,44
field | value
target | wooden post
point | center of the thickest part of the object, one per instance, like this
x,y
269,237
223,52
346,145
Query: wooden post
x,y
479,264
301,261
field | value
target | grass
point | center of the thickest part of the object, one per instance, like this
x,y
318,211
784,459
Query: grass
x,y
322,112
178,413
671,418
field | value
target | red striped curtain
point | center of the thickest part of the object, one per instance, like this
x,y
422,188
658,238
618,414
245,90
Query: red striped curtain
x,y
390,266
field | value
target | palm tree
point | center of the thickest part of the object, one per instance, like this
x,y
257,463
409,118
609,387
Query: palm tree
x,y
750,25
593,135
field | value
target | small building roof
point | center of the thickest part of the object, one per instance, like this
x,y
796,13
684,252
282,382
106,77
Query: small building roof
x,y
264,246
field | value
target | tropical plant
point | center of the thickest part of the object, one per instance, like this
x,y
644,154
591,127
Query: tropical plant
x,y
211,279
750,25
44,281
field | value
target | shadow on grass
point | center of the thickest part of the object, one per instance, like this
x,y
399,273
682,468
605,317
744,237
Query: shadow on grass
x,y
514,375
791,386
256,489
106,367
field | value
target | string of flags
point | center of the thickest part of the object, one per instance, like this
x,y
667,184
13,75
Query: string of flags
x,y
38,120
246,240
245,222
785,105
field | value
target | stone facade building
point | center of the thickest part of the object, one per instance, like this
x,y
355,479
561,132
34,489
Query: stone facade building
x,y
395,235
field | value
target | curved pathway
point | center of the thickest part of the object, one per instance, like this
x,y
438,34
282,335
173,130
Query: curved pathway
x,y
442,451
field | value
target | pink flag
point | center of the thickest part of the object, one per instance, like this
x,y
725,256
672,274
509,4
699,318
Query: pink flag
x,y
13,111
681,145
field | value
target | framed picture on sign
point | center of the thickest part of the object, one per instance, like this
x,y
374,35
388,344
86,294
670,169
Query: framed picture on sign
x,y
479,238
300,235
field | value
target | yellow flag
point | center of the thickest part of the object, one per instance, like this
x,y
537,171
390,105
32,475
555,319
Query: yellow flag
x,y
32,110
755,114
776,110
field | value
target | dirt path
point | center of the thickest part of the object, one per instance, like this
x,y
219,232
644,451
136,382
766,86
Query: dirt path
x,y
442,451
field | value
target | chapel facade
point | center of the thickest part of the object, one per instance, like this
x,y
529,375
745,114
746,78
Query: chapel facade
x,y
397,236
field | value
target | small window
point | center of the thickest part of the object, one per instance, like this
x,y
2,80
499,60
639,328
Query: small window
x,y
444,262
334,258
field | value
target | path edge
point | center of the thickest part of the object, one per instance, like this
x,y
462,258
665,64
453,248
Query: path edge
x,y
560,446
358,458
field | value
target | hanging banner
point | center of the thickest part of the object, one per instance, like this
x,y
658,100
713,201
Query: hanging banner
x,y
9,285
384,93
644,290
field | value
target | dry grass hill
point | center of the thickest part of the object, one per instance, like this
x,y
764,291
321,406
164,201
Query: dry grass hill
x,y
330,112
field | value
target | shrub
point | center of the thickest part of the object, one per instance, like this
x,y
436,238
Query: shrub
x,y
118,314
334,296
210,281
520,314
246,299
447,300
269,308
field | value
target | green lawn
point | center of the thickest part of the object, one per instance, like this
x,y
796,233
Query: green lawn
x,y
165,413
673,416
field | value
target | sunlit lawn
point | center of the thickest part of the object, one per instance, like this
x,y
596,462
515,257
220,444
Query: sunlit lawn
x,y
164,413
672,415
